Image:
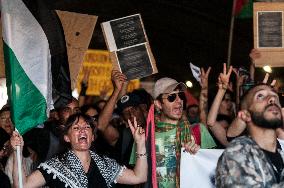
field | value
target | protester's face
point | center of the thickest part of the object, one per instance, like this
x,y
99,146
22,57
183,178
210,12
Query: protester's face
x,y
171,110
69,110
4,151
101,104
193,112
53,115
80,135
226,105
92,112
134,111
6,123
89,100
265,108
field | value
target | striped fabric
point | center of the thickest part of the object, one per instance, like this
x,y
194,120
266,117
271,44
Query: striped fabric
x,y
35,60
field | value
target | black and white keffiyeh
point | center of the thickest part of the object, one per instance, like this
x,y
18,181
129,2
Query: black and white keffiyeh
x,y
69,169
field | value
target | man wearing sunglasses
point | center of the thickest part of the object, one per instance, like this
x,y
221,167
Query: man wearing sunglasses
x,y
170,130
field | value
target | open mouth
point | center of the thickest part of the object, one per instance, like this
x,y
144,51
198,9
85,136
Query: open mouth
x,y
178,110
274,109
82,138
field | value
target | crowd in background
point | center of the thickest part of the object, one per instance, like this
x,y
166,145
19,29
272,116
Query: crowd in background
x,y
135,138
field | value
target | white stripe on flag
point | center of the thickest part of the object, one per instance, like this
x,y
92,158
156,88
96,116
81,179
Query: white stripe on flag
x,y
24,35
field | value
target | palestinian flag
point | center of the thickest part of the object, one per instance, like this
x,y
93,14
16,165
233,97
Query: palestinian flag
x,y
244,9
36,61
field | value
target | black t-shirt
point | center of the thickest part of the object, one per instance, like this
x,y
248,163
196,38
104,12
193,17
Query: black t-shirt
x,y
95,179
276,162
4,180
121,151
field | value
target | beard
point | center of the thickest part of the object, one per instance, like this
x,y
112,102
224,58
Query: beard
x,y
259,120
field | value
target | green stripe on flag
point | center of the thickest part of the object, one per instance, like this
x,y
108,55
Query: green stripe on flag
x,y
247,10
28,106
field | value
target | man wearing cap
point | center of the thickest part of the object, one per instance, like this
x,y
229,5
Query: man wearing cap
x,y
167,131
128,106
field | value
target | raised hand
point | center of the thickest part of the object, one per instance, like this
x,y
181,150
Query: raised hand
x,y
240,79
137,131
265,80
224,77
191,147
273,84
118,79
254,54
204,78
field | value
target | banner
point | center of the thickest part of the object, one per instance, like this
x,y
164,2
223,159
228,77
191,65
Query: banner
x,y
199,170
99,66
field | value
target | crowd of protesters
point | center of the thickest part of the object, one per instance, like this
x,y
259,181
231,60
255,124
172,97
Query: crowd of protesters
x,y
136,138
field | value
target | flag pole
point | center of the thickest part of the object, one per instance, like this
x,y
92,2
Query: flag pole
x,y
19,162
231,33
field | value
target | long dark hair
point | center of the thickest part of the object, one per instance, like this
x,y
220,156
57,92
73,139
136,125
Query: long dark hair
x,y
72,120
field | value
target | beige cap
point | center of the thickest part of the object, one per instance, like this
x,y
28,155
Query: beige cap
x,y
166,85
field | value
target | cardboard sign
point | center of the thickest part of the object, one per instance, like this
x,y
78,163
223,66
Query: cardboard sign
x,y
78,30
268,33
129,47
98,64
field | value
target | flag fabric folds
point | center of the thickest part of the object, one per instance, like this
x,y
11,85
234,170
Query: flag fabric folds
x,y
244,9
36,62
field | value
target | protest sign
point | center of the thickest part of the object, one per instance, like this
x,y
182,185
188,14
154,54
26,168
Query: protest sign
x,y
129,48
268,33
98,63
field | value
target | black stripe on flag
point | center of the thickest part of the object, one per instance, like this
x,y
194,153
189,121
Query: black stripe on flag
x,y
52,27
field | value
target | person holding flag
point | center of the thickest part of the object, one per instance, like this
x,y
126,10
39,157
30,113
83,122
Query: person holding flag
x,y
80,167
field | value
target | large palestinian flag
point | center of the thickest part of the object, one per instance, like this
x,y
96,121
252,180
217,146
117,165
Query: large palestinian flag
x,y
36,62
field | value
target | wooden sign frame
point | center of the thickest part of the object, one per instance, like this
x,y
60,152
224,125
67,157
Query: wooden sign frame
x,y
268,19
129,47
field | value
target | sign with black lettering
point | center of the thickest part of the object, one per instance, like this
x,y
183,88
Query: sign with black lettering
x,y
129,47
127,31
268,33
135,62
269,29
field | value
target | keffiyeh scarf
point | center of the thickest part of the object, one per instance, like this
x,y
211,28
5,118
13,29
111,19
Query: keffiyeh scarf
x,y
183,135
69,170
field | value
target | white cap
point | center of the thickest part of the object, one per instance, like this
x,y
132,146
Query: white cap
x,y
166,85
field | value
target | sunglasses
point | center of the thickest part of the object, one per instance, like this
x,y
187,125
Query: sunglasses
x,y
172,97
